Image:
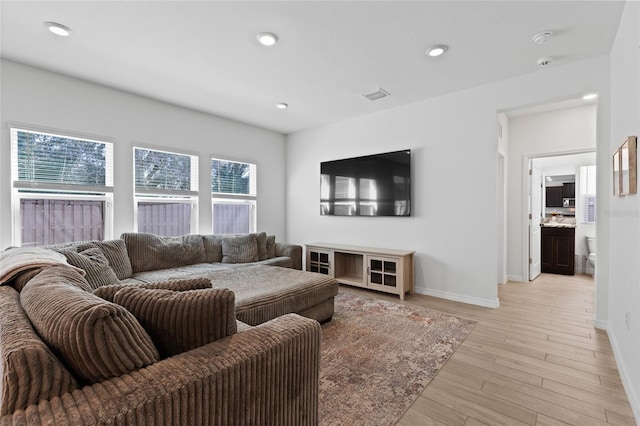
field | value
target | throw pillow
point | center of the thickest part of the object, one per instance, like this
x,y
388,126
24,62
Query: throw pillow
x,y
240,249
116,253
31,371
95,264
95,339
183,320
212,248
149,252
271,246
108,292
262,245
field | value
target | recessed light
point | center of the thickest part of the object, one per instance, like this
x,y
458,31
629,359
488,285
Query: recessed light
x,y
58,29
437,50
267,39
282,105
590,96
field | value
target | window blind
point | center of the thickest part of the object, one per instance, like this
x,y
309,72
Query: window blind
x,y
588,193
163,172
54,162
231,177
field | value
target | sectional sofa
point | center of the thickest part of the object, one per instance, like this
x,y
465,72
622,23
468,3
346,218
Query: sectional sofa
x,y
164,330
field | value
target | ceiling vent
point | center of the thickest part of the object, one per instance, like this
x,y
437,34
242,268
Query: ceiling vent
x,y
376,94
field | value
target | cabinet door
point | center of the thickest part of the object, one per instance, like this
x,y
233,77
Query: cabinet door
x,y
320,261
553,195
384,273
558,250
569,190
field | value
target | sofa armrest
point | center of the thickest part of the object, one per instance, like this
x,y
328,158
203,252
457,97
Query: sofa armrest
x,y
268,374
293,251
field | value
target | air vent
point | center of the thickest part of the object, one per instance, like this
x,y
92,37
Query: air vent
x,y
376,94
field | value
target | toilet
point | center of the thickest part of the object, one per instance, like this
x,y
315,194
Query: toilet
x,y
591,249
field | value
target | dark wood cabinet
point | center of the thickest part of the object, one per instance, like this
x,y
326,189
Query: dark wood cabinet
x,y
569,190
558,250
553,196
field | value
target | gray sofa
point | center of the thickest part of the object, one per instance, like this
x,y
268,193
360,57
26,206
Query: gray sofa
x,y
148,329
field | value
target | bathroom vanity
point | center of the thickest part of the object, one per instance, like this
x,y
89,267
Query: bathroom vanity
x,y
558,249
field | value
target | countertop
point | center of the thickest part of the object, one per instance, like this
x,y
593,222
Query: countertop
x,y
559,222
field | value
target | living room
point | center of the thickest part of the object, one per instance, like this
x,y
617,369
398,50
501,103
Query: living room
x,y
453,138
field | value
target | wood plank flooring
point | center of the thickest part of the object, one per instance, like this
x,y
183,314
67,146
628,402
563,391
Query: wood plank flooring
x,y
536,360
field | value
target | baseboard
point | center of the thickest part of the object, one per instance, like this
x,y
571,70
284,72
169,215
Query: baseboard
x,y
634,401
487,303
516,278
600,324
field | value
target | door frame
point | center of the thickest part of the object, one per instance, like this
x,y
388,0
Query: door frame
x,y
526,159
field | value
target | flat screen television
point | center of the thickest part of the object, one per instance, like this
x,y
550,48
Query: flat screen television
x,y
372,185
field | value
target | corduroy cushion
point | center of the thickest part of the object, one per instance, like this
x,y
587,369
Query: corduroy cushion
x,y
149,252
261,239
95,339
212,248
108,292
116,253
95,264
271,246
179,321
240,249
30,371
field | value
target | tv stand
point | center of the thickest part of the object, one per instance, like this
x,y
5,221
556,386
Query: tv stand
x,y
387,270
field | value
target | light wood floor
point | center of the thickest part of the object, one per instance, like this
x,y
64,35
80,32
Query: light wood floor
x,y
536,360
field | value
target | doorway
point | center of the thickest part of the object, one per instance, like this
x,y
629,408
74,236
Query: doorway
x,y
575,174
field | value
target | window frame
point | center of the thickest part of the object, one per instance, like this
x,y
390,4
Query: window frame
x,y
585,195
21,190
250,199
170,196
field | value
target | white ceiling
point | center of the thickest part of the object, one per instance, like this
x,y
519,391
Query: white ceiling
x,y
204,54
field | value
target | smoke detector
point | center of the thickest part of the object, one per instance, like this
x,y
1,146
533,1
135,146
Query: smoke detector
x,y
545,61
542,37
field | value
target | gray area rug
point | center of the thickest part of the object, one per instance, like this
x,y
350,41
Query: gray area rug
x,y
378,356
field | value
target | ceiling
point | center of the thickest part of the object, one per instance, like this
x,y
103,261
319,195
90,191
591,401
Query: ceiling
x,y
204,54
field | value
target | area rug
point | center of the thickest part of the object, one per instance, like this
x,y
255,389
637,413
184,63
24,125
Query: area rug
x,y
378,356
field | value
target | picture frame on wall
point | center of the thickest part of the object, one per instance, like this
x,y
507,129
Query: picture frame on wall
x,y
625,168
616,173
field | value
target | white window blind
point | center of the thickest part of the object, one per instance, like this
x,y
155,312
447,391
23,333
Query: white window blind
x,y
588,193
233,178
45,161
163,172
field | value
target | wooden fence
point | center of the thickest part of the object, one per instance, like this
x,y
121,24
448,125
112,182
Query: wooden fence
x,y
167,219
231,218
46,221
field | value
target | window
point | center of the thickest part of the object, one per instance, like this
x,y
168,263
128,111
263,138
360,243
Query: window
x,y
62,188
588,193
233,190
166,192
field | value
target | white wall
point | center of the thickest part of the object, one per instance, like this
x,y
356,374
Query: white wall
x,y
564,130
455,151
502,201
41,98
624,213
